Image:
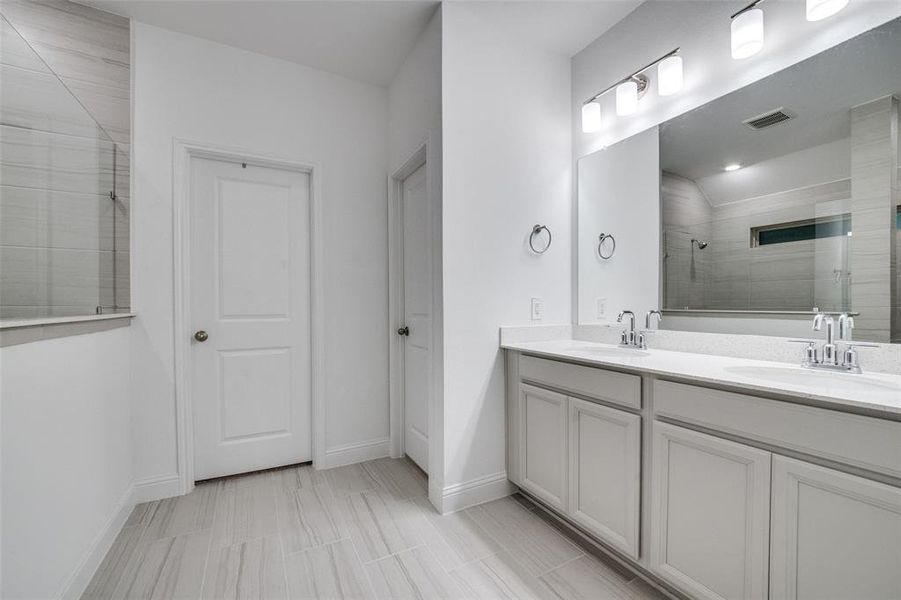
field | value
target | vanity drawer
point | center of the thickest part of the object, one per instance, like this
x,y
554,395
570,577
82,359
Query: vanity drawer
x,y
617,388
865,442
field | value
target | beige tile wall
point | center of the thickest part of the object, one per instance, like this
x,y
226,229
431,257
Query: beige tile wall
x,y
730,274
64,120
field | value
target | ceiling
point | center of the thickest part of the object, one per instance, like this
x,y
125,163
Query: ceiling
x,y
365,40
819,92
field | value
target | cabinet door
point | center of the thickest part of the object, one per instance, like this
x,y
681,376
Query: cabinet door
x,y
833,535
605,472
710,514
542,439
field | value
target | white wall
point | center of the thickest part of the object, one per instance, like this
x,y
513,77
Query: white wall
x,y
620,191
66,448
414,97
204,92
414,119
507,166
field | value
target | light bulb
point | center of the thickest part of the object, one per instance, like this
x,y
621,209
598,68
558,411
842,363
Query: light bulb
x,y
669,75
591,117
626,98
747,33
732,167
822,9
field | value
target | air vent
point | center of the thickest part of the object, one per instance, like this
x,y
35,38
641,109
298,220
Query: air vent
x,y
769,119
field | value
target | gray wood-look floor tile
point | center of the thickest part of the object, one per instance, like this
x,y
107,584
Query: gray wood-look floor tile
x,y
247,536
351,479
587,578
332,571
380,526
413,574
245,510
398,477
122,554
140,514
167,569
500,577
455,539
183,514
254,569
309,517
291,478
526,537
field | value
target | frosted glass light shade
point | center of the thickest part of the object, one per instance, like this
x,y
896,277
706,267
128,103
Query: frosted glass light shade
x,y
747,33
626,98
822,9
669,75
591,117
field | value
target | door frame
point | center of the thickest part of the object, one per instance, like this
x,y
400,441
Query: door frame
x,y
184,152
426,153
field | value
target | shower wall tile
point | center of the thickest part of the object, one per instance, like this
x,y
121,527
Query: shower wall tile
x,y
64,146
76,41
52,277
874,161
39,101
40,218
14,51
51,161
110,106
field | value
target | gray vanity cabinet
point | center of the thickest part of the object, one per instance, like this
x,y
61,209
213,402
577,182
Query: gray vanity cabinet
x,y
543,444
834,535
605,473
710,514
580,457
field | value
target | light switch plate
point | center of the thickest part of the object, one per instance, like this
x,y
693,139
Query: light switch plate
x,y
537,309
601,308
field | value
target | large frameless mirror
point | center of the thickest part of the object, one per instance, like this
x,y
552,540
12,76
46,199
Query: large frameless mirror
x,y
775,201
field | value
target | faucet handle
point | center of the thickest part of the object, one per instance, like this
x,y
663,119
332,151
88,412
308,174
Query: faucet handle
x,y
811,356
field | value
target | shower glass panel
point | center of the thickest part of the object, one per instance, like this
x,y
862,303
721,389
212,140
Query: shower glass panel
x,y
63,197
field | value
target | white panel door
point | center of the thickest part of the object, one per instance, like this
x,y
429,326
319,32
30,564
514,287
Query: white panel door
x,y
417,317
834,536
710,514
250,293
543,451
605,472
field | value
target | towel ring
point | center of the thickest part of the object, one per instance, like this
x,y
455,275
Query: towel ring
x,y
603,238
537,229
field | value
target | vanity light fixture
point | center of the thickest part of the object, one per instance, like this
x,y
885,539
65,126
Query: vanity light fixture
x,y
669,75
591,117
747,31
630,89
733,167
627,97
818,10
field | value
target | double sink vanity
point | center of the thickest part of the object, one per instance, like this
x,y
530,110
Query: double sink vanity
x,y
719,477
716,457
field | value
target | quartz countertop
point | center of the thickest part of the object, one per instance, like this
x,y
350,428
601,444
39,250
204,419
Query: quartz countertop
x,y
872,391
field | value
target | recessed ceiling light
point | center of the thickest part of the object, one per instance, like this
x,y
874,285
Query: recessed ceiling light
x,y
733,167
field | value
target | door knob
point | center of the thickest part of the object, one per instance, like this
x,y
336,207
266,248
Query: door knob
x,y
201,336
403,331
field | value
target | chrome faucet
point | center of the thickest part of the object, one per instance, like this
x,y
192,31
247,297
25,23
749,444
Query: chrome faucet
x,y
828,355
628,338
642,341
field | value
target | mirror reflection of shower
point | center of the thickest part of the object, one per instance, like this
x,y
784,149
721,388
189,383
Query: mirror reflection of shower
x,y
701,245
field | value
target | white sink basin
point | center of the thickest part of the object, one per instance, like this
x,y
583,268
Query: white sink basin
x,y
849,382
611,351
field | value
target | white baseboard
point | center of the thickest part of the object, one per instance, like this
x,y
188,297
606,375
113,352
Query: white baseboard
x,y
476,491
81,576
156,488
348,454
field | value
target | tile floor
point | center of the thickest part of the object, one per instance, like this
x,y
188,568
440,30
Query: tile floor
x,y
361,531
